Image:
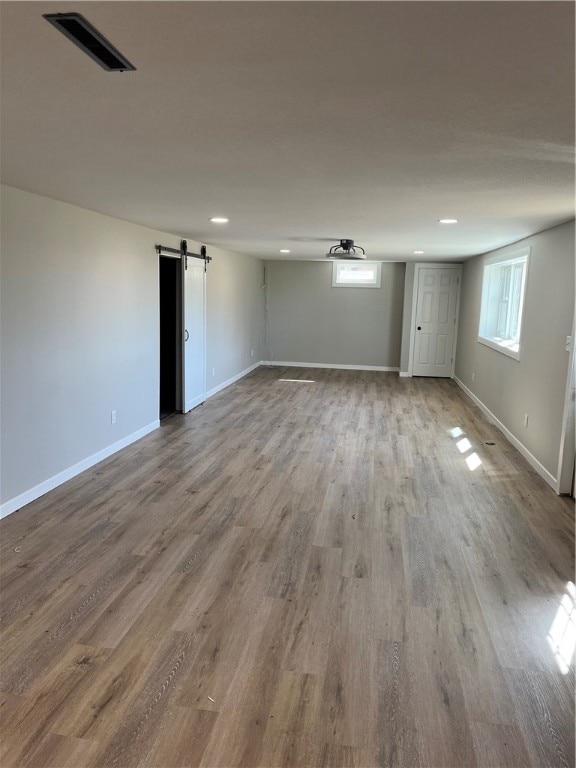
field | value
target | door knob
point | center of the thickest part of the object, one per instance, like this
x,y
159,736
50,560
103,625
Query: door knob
x,y
419,328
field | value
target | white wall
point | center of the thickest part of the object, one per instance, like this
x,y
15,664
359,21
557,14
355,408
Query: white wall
x,y
536,383
407,316
80,335
309,321
235,315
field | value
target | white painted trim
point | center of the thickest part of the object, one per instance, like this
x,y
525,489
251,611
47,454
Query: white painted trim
x,y
228,382
12,505
567,446
283,364
513,252
513,353
532,460
500,257
405,375
457,321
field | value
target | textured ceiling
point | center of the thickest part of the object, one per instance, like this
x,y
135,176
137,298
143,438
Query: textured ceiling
x,y
302,122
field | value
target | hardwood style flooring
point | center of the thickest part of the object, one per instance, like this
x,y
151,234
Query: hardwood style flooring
x,y
294,574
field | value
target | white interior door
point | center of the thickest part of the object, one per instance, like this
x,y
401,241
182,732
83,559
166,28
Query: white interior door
x,y
194,336
435,321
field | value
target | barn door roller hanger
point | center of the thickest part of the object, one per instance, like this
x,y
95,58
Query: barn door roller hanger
x,y
184,253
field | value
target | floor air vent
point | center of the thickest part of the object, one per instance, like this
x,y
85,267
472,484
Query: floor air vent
x,y
83,34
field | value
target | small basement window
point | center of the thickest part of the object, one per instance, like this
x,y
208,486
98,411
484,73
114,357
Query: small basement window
x,y
354,274
503,288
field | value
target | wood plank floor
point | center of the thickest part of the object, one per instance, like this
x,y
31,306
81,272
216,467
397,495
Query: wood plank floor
x,y
294,574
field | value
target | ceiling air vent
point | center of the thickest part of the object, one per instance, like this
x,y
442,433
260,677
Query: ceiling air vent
x,y
92,42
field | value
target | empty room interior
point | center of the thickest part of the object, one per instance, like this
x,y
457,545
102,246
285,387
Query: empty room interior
x,y
287,384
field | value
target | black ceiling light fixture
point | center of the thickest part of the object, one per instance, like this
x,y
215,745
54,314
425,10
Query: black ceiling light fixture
x,y
92,42
346,250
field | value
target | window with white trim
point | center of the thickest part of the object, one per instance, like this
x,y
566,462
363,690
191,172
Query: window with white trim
x,y
356,274
503,287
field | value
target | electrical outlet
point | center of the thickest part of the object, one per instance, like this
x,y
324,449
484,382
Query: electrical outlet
x,y
251,353
568,343
525,419
473,374
213,371
113,417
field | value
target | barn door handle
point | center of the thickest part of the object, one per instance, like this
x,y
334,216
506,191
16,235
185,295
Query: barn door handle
x,y
186,335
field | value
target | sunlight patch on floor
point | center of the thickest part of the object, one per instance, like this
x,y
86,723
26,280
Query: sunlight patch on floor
x,y
464,445
562,634
473,461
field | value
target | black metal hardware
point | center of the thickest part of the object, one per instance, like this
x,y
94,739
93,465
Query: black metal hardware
x,y
178,253
347,248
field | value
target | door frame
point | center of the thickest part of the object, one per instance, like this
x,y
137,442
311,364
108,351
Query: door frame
x,y
431,265
182,254
567,439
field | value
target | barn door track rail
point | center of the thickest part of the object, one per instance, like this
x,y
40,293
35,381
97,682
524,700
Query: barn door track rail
x,y
184,253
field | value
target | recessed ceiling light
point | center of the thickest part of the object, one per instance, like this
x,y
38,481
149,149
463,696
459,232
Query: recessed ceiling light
x,y
219,220
448,221
418,253
284,250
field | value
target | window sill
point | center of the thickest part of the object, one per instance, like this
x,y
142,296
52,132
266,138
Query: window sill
x,y
500,347
355,285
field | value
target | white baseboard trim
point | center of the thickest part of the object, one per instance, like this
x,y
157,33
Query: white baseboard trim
x,y
12,505
233,380
284,364
405,375
532,460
